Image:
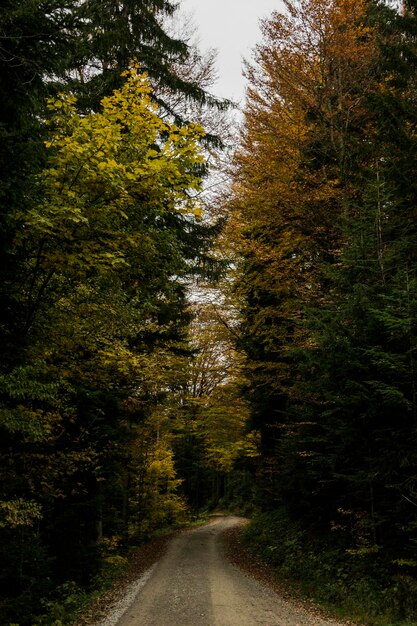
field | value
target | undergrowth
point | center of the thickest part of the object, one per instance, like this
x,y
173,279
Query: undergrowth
x,y
362,587
69,601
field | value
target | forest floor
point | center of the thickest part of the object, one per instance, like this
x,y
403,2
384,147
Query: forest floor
x,y
201,577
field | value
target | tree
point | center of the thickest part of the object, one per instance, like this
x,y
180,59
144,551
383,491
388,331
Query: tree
x,y
293,182
100,235
110,35
215,454
366,334
35,44
327,282
84,46
106,249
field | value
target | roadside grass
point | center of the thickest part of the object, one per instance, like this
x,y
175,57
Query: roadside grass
x,y
358,587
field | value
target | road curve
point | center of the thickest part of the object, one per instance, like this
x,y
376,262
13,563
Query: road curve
x,y
193,585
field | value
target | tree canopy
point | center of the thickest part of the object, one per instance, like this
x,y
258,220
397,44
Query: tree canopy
x,y
327,284
157,360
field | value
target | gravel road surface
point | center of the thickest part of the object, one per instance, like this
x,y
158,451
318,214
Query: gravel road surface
x,y
193,585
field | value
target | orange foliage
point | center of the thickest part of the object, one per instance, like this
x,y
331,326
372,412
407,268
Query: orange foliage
x,y
294,169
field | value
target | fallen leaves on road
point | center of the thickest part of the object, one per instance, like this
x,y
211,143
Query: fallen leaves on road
x,y
139,561
238,554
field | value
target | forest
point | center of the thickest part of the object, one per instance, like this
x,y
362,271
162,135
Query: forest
x,y
199,313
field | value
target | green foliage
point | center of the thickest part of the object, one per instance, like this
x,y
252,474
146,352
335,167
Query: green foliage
x,y
215,455
106,248
99,230
155,501
35,41
359,586
324,196
67,604
19,513
135,28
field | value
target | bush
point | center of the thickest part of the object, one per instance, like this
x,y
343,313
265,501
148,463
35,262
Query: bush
x,y
362,586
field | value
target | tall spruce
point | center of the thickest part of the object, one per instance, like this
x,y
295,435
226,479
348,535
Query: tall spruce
x,y
35,45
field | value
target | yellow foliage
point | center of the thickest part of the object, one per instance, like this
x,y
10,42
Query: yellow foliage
x,y
154,495
100,164
20,513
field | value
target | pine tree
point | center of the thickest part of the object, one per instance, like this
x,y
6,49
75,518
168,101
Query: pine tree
x,y
36,43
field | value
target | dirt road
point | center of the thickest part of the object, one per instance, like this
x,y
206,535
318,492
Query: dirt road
x,y
193,585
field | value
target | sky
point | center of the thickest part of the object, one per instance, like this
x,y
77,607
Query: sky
x,y
232,27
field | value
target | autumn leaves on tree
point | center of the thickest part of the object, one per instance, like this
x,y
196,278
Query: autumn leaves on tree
x,y
325,197
101,234
124,402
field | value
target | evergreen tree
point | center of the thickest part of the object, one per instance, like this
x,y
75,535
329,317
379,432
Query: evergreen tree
x,y
333,337
369,418
94,269
111,34
35,44
295,178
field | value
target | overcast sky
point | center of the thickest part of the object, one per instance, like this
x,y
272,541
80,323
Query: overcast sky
x,y
232,27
